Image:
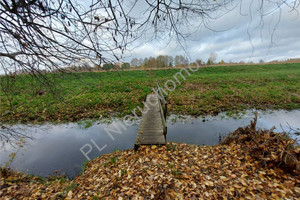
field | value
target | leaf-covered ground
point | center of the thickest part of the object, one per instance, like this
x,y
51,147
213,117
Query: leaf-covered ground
x,y
174,171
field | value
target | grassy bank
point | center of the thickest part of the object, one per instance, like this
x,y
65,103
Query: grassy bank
x,y
102,94
255,165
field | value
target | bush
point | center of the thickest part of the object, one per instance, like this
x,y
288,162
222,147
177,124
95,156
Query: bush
x,y
108,66
125,66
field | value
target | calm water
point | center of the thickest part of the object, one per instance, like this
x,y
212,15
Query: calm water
x,y
57,147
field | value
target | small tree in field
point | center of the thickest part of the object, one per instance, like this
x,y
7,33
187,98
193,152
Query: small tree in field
x,y
199,62
125,66
212,59
222,62
108,66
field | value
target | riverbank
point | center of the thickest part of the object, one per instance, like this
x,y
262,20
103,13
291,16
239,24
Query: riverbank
x,y
94,95
251,164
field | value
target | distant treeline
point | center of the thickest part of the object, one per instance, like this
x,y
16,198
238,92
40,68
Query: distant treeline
x,y
166,61
161,61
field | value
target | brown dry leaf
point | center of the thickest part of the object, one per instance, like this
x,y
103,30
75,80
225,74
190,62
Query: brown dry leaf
x,y
174,171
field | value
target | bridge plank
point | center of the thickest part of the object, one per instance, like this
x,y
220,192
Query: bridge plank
x,y
152,128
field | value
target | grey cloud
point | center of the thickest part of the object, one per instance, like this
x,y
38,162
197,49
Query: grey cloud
x,y
234,43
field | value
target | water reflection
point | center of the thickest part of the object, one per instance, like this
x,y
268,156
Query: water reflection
x,y
208,130
57,147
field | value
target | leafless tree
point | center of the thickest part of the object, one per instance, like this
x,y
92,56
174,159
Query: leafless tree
x,y
212,58
12,135
50,34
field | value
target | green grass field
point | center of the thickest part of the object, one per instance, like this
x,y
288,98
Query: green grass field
x,y
95,95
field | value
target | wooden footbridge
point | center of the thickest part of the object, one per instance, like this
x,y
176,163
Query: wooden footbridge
x,y
153,126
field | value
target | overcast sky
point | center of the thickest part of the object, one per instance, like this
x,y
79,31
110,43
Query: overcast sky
x,y
241,34
236,37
